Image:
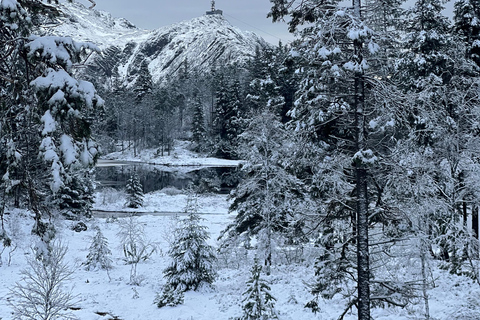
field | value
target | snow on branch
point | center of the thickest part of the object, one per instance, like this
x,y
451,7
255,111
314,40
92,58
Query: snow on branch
x,y
365,157
58,50
61,85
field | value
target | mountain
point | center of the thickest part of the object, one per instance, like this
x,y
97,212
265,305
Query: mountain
x,y
201,42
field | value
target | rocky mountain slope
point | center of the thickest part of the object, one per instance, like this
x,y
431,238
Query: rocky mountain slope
x,y
201,42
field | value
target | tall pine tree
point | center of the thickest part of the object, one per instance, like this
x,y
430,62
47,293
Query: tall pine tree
x,y
45,132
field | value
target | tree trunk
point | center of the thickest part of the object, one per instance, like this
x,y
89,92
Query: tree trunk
x,y
475,220
363,262
423,253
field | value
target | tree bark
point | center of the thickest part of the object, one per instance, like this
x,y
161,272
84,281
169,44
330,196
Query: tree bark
x,y
361,175
475,220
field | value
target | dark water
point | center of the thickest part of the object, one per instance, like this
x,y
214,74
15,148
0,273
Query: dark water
x,y
153,178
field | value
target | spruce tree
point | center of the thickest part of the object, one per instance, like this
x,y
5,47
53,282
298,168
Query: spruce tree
x,y
199,132
258,303
75,197
467,26
268,198
334,108
45,132
99,253
442,84
229,115
134,191
192,258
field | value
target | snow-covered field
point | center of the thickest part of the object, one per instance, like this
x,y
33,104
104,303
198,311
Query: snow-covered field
x,y
110,296
180,156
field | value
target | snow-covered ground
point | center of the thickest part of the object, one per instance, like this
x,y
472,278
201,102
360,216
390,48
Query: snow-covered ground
x,y
181,156
103,296
166,200
453,297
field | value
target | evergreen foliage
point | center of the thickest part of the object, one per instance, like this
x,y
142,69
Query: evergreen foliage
x,y
99,253
467,26
135,191
192,265
45,131
169,297
199,132
443,83
75,197
229,117
267,199
258,303
143,84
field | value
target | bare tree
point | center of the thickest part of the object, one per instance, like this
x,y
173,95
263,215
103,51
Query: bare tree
x,y
135,245
41,294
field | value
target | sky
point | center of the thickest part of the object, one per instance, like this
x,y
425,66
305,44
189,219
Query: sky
x,y
249,15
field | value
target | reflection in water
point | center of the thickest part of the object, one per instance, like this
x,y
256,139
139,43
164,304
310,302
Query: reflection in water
x,y
153,178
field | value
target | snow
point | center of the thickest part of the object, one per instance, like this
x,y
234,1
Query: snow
x,y
56,49
88,153
201,41
49,124
373,47
365,157
58,97
453,297
9,4
68,150
56,80
180,157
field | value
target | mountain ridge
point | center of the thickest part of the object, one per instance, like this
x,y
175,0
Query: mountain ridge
x,y
205,42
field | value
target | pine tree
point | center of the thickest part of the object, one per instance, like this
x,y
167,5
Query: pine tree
x,y
99,253
75,197
467,26
268,198
192,258
143,84
258,303
46,135
332,111
263,90
135,191
443,87
199,132
229,116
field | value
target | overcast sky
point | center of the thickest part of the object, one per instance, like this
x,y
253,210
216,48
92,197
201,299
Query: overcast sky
x,y
248,15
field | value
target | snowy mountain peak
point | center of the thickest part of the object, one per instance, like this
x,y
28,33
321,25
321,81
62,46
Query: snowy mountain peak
x,y
203,41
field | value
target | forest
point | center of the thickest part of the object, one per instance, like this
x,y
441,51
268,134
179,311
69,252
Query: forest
x,y
360,138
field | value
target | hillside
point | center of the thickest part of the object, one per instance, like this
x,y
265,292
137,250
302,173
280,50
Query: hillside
x,y
202,42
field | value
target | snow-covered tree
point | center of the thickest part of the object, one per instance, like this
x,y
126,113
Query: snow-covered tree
x,y
42,294
268,198
258,303
442,85
331,107
134,191
467,26
75,197
45,131
264,88
99,253
229,115
192,265
199,131
135,245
